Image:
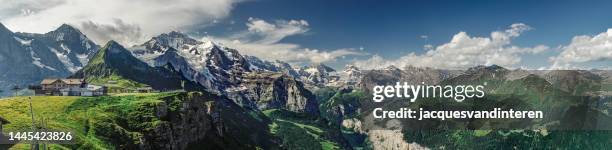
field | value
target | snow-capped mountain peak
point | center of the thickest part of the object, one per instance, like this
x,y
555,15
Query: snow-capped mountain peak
x,y
57,53
201,61
176,40
318,74
351,71
318,68
350,68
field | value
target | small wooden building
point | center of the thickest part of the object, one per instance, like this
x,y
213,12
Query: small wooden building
x,y
53,86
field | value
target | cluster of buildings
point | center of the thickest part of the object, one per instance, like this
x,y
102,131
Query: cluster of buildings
x,y
68,87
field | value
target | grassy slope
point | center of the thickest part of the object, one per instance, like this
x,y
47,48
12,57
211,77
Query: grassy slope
x,y
98,65
297,132
94,119
121,83
16,109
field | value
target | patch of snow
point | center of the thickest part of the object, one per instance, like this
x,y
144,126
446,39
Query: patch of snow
x,y
65,60
312,70
38,63
23,42
83,59
87,45
59,37
208,44
146,56
254,67
196,59
65,48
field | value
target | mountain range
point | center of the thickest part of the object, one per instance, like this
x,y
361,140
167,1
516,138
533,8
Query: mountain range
x,y
254,92
28,58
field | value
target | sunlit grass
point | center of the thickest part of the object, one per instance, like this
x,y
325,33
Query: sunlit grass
x,y
80,115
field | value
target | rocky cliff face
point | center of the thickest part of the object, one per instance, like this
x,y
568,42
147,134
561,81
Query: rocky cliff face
x,y
191,122
276,91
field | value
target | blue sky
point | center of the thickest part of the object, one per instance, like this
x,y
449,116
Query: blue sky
x,y
394,28
458,34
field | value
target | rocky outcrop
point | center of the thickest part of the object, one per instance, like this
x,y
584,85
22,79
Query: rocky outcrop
x,y
391,140
189,123
267,90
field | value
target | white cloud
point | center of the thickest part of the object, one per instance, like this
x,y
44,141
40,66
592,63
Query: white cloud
x,y
117,30
150,17
263,39
585,49
273,33
10,8
464,51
